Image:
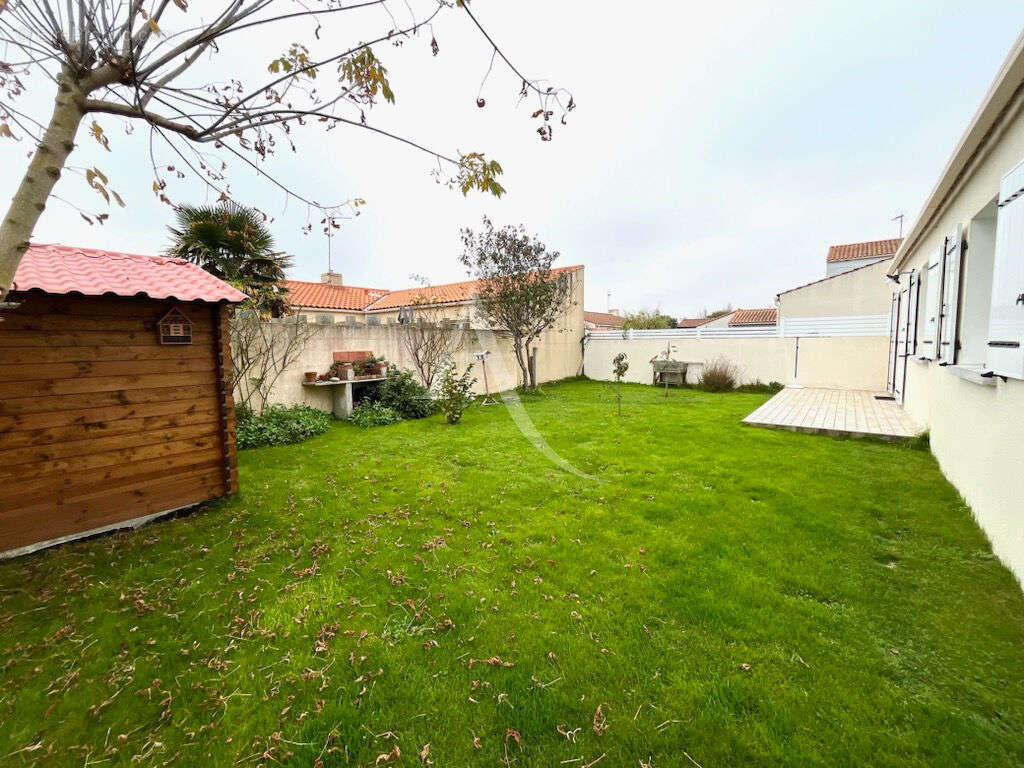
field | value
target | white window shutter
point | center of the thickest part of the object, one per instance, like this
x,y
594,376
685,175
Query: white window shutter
x,y
915,290
1006,319
952,258
929,342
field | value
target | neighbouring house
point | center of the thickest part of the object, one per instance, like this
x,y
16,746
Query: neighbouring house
x,y
763,318
115,393
602,321
957,355
856,303
377,319
842,258
692,322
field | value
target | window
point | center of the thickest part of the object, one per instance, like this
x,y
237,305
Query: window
x,y
976,291
1006,317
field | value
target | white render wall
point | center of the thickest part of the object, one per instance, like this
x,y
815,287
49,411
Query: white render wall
x,y
847,362
977,432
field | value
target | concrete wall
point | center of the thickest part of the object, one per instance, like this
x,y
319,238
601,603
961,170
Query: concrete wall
x,y
559,354
863,292
850,362
977,432
762,359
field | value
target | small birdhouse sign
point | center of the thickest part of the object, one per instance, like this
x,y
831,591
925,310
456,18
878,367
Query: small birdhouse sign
x,y
175,328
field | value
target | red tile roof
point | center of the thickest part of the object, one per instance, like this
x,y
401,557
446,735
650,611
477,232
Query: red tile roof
x,y
65,269
692,322
869,250
327,296
604,318
448,293
768,316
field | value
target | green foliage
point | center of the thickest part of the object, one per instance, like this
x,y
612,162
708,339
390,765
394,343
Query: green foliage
x,y
718,375
402,393
620,365
453,392
477,172
879,628
761,388
279,425
370,414
519,289
365,77
647,319
233,243
297,59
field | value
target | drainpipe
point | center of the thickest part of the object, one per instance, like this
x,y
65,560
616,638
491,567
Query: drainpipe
x,y
796,366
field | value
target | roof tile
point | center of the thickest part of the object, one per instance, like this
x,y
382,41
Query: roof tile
x,y
63,269
327,296
766,316
866,250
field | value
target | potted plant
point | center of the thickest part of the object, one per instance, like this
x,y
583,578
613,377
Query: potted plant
x,y
311,376
380,368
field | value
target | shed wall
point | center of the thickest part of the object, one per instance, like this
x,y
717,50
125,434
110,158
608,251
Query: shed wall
x,y
100,423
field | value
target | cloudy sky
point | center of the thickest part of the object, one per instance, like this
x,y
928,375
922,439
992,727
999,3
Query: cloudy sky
x,y
716,151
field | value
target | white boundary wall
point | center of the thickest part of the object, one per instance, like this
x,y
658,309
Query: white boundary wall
x,y
843,352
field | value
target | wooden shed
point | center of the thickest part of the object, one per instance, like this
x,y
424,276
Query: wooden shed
x,y
115,393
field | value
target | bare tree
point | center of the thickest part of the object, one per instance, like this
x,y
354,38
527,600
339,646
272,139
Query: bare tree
x,y
132,59
430,337
261,350
520,292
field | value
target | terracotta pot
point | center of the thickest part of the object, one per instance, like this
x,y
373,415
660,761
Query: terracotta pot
x,y
311,376
381,369
346,371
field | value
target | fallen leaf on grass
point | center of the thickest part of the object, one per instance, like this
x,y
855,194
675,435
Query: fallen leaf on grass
x,y
388,757
600,721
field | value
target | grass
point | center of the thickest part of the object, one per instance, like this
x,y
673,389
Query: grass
x,y
715,594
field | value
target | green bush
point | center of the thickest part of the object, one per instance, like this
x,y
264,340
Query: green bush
x,y
453,392
403,394
373,415
760,387
279,425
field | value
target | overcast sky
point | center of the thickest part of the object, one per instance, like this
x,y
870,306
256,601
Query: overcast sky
x,y
716,152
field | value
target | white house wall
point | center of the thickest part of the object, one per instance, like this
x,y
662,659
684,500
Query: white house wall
x,y
977,432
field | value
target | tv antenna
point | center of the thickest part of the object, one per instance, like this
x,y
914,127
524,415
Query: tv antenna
x,y
609,301
899,217
482,358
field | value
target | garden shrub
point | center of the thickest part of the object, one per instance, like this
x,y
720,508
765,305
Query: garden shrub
x,y
402,393
759,387
373,415
279,425
453,392
718,375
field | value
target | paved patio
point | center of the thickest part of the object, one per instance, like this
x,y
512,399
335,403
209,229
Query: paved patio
x,y
835,412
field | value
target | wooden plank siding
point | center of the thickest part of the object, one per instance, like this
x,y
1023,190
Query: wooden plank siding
x,y
100,423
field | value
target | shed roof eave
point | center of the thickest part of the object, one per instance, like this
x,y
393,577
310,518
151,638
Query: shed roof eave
x,y
999,100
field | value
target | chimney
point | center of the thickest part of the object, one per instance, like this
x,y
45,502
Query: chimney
x,y
331,278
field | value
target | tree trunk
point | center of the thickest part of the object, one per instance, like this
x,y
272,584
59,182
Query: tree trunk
x,y
524,376
43,171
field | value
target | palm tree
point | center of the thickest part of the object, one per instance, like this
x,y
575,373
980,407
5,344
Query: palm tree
x,y
231,242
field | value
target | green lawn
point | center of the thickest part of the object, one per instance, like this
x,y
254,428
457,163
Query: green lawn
x,y
721,593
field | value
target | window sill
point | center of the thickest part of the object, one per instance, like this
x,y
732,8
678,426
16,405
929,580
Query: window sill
x,y
972,373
